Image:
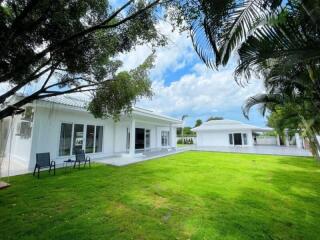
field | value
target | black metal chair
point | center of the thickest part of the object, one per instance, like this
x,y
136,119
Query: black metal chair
x,y
43,161
81,158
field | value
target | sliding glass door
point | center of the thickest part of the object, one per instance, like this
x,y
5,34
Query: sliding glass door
x,y
76,137
147,139
65,139
165,138
140,138
99,139
238,139
90,139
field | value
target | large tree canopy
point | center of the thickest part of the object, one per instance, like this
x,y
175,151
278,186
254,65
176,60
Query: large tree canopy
x,y
67,46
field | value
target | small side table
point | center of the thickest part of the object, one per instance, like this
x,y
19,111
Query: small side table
x,y
66,164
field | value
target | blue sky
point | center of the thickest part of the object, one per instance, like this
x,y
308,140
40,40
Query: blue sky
x,y
182,84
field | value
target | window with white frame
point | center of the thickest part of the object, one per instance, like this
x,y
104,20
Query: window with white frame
x,y
231,139
90,138
75,137
245,139
238,139
164,138
65,139
98,139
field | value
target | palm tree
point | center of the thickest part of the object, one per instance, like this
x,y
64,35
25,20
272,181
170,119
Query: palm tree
x,y
182,119
276,40
293,97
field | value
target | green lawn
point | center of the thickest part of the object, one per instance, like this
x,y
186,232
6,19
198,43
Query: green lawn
x,y
192,195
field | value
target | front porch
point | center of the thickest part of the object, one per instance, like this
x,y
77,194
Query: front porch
x,y
144,135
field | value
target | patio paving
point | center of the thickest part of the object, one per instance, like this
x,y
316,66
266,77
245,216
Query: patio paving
x,y
149,155
140,156
17,168
270,150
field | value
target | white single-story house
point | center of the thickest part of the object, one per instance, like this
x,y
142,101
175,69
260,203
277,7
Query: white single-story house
x,y
234,133
62,124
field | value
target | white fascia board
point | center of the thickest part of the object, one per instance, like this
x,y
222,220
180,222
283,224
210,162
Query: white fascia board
x,y
145,113
136,112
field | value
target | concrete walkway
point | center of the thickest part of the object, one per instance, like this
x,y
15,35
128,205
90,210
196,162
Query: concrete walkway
x,y
17,168
270,150
140,157
14,168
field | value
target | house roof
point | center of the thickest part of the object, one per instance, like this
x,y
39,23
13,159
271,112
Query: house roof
x,y
80,102
218,125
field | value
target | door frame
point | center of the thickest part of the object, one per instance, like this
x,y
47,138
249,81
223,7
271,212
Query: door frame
x,y
242,139
144,138
234,139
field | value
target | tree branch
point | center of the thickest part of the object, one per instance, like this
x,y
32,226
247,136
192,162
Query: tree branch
x,y
16,88
132,16
102,25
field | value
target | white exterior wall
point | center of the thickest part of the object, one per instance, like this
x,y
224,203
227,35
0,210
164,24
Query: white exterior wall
x,y
266,140
159,130
120,136
47,127
20,147
219,138
153,134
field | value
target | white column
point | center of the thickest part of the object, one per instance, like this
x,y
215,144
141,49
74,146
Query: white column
x,y
298,140
171,137
114,136
278,140
132,137
287,138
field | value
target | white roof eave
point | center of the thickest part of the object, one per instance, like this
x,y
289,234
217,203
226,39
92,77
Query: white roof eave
x,y
72,105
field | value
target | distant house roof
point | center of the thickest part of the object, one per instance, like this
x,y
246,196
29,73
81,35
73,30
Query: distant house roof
x,y
80,102
219,125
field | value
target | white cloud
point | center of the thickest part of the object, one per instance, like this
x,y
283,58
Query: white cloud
x,y
200,92
174,56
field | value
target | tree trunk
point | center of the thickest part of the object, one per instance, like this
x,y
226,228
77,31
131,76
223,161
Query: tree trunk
x,y
314,145
15,108
317,147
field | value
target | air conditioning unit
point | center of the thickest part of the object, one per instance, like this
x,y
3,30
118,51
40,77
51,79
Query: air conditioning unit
x,y
28,113
24,129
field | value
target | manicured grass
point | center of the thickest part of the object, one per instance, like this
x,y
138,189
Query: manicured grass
x,y
192,195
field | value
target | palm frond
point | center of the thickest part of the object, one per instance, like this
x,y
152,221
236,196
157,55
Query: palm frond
x,y
263,100
204,44
224,25
274,45
244,18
